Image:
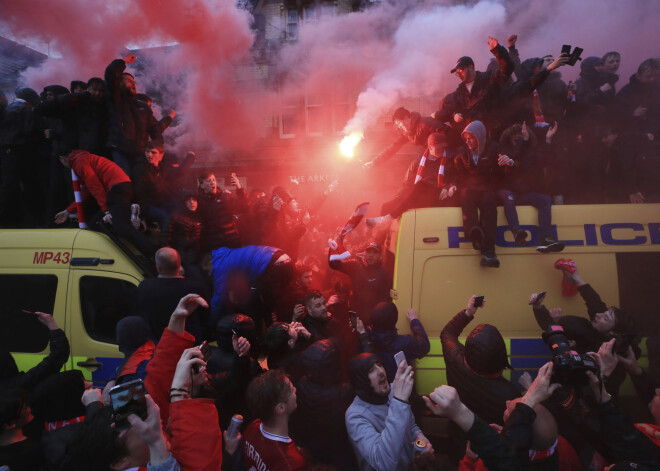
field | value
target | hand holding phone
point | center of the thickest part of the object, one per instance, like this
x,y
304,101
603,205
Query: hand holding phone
x,y
206,354
537,298
127,399
400,357
478,301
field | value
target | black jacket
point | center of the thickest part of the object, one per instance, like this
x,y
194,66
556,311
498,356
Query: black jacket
x,y
20,127
633,95
216,211
485,396
88,117
155,186
482,102
59,353
131,122
370,285
184,234
318,423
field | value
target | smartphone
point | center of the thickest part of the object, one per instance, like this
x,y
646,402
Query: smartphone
x,y
539,298
352,317
127,399
478,301
206,354
566,49
400,357
622,342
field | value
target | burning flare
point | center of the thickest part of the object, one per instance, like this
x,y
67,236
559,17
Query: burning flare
x,y
348,143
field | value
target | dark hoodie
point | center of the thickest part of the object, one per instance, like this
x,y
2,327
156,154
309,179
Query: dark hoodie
x,y
475,370
479,175
592,104
62,128
633,95
387,342
358,373
318,423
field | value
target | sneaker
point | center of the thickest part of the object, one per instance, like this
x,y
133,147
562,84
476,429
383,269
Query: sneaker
x,y
477,237
489,260
549,245
521,237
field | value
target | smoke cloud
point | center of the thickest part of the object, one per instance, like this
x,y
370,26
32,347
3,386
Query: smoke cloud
x,y
370,60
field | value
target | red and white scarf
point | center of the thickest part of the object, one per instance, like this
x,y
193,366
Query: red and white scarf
x,y
441,168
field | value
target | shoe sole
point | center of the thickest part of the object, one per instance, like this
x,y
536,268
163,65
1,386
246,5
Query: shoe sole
x,y
552,248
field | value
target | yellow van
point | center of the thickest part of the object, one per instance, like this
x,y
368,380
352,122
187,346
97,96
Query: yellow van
x,y
86,279
616,248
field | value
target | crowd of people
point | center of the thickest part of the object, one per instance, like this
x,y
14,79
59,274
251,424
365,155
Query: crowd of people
x,y
258,310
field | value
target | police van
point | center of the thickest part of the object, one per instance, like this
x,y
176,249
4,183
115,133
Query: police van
x,y
616,249
86,279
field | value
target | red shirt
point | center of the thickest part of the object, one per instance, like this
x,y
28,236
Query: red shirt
x,y
265,451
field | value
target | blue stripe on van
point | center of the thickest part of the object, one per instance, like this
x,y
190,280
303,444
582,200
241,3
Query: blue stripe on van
x,y
108,371
529,347
528,362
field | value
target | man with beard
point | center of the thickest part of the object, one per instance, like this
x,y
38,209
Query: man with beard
x,y
380,421
318,321
131,122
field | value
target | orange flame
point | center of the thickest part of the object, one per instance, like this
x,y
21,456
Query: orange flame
x,y
348,144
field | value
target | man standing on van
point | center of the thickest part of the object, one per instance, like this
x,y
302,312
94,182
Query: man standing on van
x,y
475,370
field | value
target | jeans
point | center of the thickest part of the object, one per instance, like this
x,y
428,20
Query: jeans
x,y
480,209
543,203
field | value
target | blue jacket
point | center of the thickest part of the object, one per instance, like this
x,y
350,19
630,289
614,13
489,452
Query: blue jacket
x,y
252,260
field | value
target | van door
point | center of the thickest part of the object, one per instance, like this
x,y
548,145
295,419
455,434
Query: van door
x,y
98,300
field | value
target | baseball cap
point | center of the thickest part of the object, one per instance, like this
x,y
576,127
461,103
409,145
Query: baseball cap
x,y
462,63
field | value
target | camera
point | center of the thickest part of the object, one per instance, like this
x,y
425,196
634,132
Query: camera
x,y
569,366
574,56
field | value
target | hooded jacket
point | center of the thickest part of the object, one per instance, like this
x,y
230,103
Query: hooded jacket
x,y
387,342
475,369
381,429
318,423
591,104
216,211
482,174
96,175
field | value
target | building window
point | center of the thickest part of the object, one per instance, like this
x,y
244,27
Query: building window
x,y
21,331
314,116
292,25
319,11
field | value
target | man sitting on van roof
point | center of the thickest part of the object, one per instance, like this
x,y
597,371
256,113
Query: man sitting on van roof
x,y
475,370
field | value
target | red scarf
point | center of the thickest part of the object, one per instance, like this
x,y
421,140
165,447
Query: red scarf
x,y
651,431
441,168
50,426
538,111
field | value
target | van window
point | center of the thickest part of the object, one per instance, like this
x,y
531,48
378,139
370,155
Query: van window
x,y
639,285
104,302
21,332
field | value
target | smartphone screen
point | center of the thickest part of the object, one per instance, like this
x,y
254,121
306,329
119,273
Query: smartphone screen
x,y
128,399
478,301
400,357
352,317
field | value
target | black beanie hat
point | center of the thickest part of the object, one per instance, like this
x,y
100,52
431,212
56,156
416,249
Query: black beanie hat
x,y
384,316
8,368
132,333
358,373
485,350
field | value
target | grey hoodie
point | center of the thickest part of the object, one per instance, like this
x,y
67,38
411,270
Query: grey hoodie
x,y
478,130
